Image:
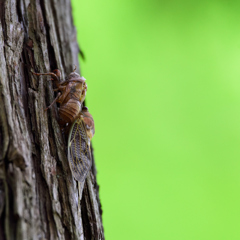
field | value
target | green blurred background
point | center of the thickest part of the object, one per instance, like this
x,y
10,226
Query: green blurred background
x,y
164,89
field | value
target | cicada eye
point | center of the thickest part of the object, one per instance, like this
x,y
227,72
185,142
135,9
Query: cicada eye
x,y
85,109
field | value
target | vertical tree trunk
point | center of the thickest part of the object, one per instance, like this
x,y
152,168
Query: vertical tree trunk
x,y
39,198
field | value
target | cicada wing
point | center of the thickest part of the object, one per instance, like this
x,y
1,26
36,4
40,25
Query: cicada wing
x,y
79,154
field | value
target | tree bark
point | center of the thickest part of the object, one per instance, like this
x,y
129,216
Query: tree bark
x,y
39,197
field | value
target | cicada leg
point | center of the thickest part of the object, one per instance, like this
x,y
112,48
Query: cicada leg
x,y
53,102
55,77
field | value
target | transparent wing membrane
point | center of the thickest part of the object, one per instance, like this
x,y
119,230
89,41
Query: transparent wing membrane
x,y
79,154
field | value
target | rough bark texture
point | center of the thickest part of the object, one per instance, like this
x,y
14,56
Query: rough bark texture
x,y
39,198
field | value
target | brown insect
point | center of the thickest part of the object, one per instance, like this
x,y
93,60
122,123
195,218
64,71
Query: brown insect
x,y
79,151
71,94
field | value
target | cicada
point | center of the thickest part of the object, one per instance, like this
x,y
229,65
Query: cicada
x,y
71,94
79,149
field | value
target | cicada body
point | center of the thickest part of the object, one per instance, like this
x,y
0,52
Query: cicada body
x,y
79,150
71,94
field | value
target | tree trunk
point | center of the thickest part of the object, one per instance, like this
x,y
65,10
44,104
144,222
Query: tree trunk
x,y
39,197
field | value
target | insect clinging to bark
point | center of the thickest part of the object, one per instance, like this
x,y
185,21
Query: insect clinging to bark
x,y
73,116
71,94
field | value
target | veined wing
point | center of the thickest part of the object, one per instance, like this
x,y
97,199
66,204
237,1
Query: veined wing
x,y
79,154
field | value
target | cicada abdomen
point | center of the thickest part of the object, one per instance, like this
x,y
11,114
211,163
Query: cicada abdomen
x,y
79,151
